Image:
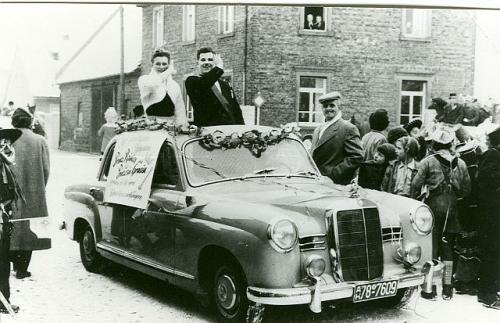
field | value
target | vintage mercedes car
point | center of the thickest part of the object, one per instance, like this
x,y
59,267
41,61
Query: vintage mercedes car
x,y
241,216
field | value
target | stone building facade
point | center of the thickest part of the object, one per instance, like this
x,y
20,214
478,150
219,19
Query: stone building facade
x,y
391,58
84,104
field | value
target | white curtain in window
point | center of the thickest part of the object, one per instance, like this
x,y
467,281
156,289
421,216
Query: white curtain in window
x,y
188,23
158,26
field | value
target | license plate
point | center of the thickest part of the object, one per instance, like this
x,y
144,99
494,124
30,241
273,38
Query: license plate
x,y
365,292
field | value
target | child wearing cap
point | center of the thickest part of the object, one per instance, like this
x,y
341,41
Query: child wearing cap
x,y
371,172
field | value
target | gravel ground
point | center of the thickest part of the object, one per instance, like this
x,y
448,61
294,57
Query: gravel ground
x,y
61,290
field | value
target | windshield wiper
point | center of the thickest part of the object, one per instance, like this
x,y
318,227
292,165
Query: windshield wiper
x,y
264,171
201,165
303,173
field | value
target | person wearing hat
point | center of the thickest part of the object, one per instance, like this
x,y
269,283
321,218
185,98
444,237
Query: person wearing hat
x,y
336,144
453,112
488,193
379,120
396,133
447,179
10,193
32,171
371,172
413,128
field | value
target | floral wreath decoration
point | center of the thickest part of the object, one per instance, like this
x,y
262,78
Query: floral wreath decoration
x,y
254,140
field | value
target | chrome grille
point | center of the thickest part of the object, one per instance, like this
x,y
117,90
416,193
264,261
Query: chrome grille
x,y
392,234
312,242
359,244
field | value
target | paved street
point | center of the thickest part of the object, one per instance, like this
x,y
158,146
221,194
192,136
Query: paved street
x,y
60,289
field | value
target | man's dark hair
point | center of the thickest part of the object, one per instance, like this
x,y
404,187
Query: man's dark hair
x,y
160,53
11,103
21,119
204,50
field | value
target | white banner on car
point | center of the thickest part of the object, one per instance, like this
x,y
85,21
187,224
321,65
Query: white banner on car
x,y
132,167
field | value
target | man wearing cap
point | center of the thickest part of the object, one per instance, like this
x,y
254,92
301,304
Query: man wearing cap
x,y
447,179
488,193
453,112
336,144
379,120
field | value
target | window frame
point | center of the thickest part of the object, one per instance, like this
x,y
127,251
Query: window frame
x,y
326,18
178,186
106,163
79,115
155,23
223,17
426,35
189,106
426,114
310,72
188,27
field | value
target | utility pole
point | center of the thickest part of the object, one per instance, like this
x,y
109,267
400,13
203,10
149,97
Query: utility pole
x,y
123,108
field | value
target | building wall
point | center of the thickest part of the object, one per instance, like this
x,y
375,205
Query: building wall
x,y
81,92
362,54
231,46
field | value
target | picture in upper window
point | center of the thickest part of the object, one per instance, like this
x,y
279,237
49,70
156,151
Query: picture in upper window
x,y
315,18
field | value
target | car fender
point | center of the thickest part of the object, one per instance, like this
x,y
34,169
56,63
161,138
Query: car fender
x,y
245,237
79,205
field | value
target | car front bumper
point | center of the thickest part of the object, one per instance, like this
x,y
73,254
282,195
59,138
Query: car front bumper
x,y
326,292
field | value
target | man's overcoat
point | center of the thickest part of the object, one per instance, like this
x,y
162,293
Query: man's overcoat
x,y
338,153
32,171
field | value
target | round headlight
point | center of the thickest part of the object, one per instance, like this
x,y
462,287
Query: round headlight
x,y
314,266
422,220
412,253
282,234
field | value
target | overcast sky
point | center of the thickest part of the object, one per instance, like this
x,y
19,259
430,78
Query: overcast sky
x,y
38,29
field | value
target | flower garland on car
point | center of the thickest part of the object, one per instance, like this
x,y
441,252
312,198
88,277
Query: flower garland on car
x,y
152,123
254,140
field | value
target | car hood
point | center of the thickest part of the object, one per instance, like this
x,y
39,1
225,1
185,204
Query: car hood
x,y
305,201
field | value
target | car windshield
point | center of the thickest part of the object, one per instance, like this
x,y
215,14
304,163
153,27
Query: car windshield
x,y
287,158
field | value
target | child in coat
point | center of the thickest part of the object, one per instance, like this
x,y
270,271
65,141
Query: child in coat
x,y
371,172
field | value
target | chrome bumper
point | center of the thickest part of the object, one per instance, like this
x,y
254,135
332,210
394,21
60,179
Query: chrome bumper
x,y
315,294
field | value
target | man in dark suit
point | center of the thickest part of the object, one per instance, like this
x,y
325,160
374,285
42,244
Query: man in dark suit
x,y
213,99
336,144
488,193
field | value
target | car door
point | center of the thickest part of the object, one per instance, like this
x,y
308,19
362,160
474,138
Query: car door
x,y
149,233
109,225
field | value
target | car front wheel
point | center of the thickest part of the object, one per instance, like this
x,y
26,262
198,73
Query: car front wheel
x,y
91,260
229,295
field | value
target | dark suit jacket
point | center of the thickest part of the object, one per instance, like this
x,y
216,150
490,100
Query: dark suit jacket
x,y
207,109
338,153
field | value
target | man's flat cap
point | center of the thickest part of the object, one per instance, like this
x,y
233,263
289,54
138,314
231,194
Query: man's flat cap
x,y
329,97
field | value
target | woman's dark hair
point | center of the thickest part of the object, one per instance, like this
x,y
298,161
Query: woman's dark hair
x,y
204,50
438,146
160,53
21,119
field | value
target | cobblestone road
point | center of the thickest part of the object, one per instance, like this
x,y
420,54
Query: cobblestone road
x,y
60,289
